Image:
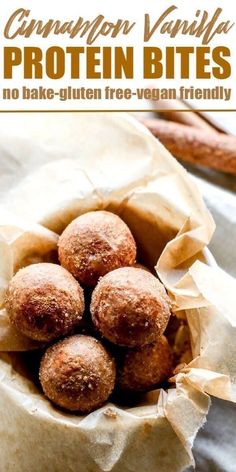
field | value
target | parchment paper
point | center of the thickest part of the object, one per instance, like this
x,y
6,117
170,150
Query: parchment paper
x,y
56,167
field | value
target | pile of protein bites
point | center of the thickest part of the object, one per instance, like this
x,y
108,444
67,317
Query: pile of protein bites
x,y
99,290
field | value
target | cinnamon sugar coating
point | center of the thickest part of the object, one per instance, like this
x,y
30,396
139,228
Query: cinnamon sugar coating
x,y
130,307
94,244
142,369
77,373
44,301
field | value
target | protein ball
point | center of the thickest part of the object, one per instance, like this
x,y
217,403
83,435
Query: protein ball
x,y
96,243
137,265
142,369
44,301
130,307
77,373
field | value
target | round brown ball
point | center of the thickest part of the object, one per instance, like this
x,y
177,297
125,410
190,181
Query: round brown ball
x,y
94,244
142,369
77,373
130,307
44,301
137,265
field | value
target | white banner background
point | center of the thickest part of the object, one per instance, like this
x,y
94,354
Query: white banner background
x,y
134,12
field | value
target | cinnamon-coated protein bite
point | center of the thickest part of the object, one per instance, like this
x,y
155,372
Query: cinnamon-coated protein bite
x,y
94,244
77,373
143,368
130,307
137,265
44,301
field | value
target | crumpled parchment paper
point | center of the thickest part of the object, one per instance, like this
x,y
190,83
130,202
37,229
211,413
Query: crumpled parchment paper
x,y
53,168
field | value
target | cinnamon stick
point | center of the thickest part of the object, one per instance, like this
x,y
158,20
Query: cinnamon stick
x,y
196,146
190,118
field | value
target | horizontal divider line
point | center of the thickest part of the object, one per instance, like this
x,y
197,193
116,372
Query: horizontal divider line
x,y
120,111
